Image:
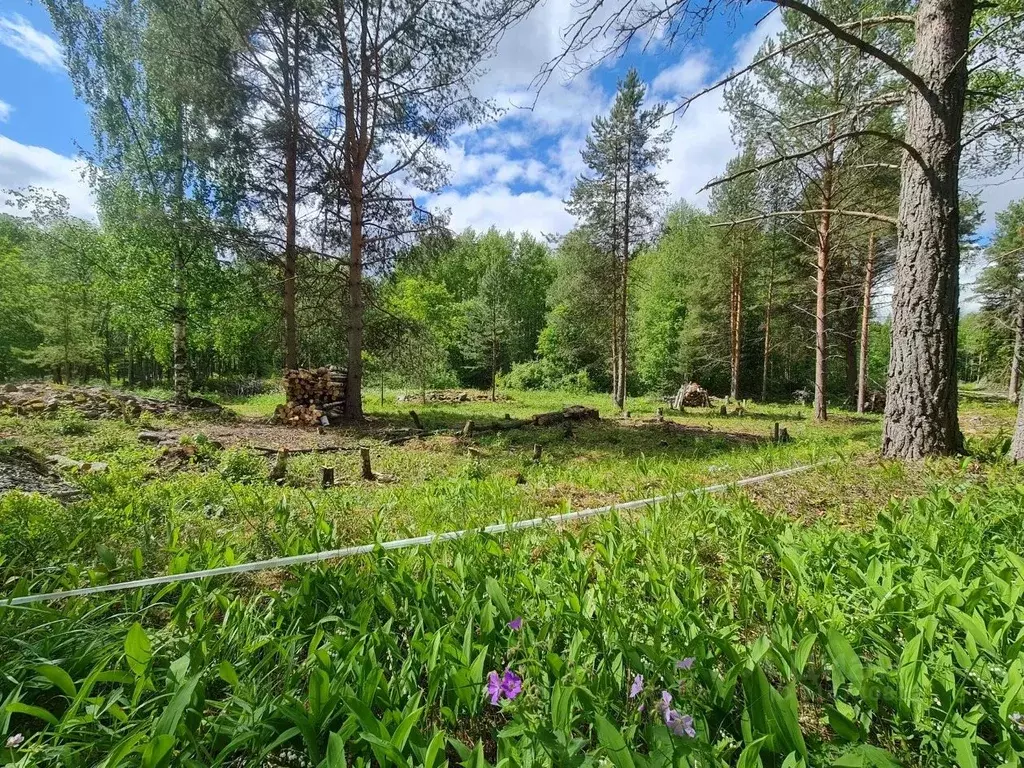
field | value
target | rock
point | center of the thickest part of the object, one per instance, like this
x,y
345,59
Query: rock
x,y
150,437
10,387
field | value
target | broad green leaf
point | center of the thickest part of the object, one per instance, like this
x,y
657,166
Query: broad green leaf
x,y
137,649
911,672
335,752
28,709
610,738
157,753
227,673
171,716
750,757
845,658
59,678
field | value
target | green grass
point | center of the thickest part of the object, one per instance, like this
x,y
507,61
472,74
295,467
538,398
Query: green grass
x,y
866,613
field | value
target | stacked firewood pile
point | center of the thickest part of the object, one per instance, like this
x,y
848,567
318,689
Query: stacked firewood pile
x,y
691,395
315,396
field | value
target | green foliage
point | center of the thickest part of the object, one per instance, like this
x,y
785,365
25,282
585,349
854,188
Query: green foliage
x,y
70,422
811,644
238,465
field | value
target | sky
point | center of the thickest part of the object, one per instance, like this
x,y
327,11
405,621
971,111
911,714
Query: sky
x,y
513,172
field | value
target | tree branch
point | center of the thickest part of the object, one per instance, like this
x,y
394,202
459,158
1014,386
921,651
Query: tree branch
x,y
816,211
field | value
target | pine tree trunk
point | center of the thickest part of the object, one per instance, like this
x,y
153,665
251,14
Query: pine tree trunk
x,y
736,318
768,326
290,76
820,319
921,396
354,380
865,321
1018,340
821,286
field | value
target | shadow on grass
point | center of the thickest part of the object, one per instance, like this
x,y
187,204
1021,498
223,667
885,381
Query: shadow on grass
x,y
612,438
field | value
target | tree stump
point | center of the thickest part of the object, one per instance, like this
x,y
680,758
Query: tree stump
x,y
364,456
326,477
467,430
537,450
416,420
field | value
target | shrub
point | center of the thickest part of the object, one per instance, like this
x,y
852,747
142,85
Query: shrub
x,y
543,374
70,422
238,465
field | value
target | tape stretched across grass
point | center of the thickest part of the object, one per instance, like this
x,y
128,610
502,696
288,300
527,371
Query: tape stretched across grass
x,y
418,541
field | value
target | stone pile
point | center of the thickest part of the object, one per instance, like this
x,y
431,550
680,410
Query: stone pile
x,y
40,399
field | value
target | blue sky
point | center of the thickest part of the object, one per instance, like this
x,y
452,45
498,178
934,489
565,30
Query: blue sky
x,y
513,172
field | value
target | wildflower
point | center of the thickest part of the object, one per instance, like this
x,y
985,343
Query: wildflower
x,y
15,741
1017,719
516,624
508,685
637,687
679,724
686,663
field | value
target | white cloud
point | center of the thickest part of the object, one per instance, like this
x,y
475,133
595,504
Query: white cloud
x,y
496,205
23,165
17,33
5,111
683,78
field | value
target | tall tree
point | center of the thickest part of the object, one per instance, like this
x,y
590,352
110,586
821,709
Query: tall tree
x,y
618,202
404,69
164,128
951,37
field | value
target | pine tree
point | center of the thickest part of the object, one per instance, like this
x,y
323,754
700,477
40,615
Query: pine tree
x,y
618,202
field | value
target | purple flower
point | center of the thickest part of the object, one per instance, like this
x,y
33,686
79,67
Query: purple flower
x,y
512,684
508,686
685,663
637,687
680,725
516,624
15,741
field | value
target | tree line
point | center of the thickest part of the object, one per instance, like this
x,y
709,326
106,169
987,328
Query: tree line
x,y
253,163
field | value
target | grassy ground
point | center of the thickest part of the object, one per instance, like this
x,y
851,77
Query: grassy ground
x,y
786,560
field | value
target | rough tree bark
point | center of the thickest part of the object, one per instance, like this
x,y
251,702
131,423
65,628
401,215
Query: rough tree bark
x,y
865,320
1018,341
921,395
290,77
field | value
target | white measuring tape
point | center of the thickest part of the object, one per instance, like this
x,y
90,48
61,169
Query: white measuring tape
x,y
365,549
